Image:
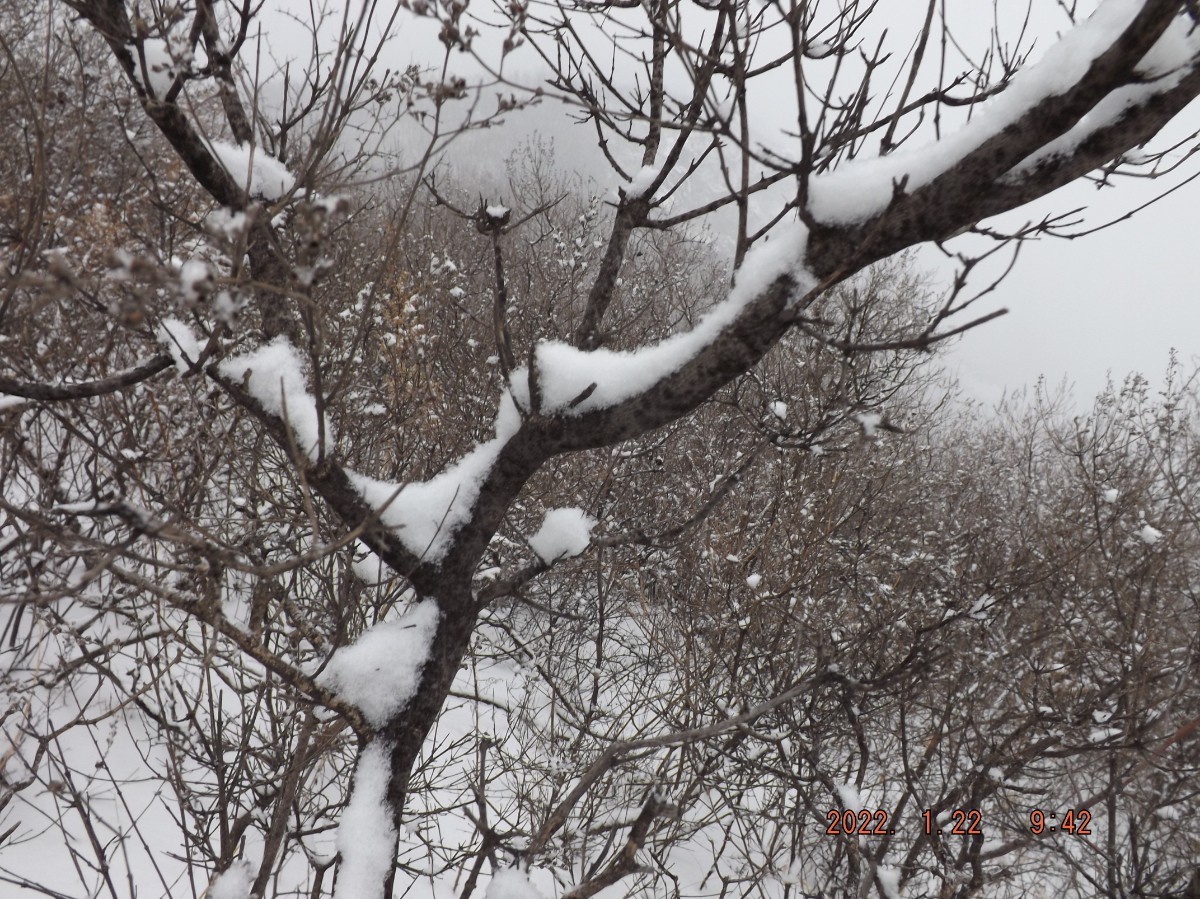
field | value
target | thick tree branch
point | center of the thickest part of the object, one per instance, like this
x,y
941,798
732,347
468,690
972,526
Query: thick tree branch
x,y
986,181
53,393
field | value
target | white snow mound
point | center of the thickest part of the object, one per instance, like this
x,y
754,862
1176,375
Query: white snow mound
x,y
380,671
274,375
564,533
511,883
234,883
250,167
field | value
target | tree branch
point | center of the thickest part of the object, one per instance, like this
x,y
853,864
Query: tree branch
x,y
53,393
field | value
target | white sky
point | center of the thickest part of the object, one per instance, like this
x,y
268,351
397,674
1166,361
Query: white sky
x,y
1117,301
1113,302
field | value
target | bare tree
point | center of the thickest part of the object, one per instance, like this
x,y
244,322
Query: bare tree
x,y
222,510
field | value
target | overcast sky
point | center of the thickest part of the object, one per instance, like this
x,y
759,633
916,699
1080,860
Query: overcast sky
x,y
1114,302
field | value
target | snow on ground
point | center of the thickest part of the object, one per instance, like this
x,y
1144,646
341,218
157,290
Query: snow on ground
x,y
564,533
120,766
380,671
859,190
274,375
515,710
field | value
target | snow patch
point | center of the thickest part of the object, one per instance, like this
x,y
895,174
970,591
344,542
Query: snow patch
x,y
566,373
511,883
235,883
181,343
380,671
981,607
564,533
1150,534
369,567
163,63
869,421
227,224
1109,495
274,375
849,797
366,835
641,181
253,169
508,416
225,307
195,279
889,880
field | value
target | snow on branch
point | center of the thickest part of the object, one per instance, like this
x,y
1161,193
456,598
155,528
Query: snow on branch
x,y
165,60
641,182
181,342
274,375
1163,68
380,671
511,883
564,533
252,169
366,836
427,514
572,381
14,392
860,190
379,674
234,883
